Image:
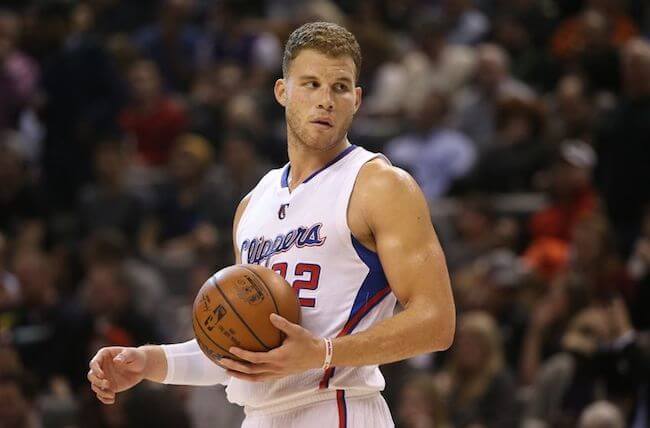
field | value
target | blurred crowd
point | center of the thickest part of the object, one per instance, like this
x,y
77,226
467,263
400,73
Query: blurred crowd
x,y
129,131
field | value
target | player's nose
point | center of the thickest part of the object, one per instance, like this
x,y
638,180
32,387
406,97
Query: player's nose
x,y
326,101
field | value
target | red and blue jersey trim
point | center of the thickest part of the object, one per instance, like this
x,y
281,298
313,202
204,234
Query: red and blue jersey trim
x,y
373,290
342,408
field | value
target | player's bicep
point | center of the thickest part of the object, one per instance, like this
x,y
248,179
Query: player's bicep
x,y
406,242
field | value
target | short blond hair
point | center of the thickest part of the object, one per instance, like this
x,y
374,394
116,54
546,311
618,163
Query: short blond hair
x,y
324,37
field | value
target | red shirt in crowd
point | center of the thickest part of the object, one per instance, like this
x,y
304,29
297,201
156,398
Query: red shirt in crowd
x,y
155,129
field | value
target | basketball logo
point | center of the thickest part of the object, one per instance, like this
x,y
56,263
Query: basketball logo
x,y
249,291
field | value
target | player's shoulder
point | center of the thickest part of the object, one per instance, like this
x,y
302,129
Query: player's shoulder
x,y
379,177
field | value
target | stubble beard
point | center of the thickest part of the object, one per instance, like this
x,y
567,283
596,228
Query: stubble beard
x,y
301,137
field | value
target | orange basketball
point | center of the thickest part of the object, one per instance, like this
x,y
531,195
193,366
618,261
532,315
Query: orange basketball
x,y
233,307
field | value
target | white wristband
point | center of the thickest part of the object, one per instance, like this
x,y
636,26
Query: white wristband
x,y
329,350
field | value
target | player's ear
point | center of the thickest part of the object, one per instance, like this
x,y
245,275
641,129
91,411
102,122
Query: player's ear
x,y
280,91
357,98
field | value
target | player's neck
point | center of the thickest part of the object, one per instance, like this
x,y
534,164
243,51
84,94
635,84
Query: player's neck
x,y
305,161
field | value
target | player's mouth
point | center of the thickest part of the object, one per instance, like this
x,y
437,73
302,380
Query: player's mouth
x,y
324,123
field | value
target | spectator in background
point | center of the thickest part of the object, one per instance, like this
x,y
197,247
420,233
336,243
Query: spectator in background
x,y
172,43
572,378
572,198
598,60
549,317
153,119
404,81
187,204
468,25
477,387
210,93
571,111
594,257
109,247
517,153
622,147
435,154
571,35
420,404
107,296
9,285
17,409
22,209
476,105
601,414
108,203
41,331
19,73
83,94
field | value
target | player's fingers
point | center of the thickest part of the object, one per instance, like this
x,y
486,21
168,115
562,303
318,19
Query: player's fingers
x,y
93,379
285,326
261,377
96,367
244,367
106,400
106,395
253,357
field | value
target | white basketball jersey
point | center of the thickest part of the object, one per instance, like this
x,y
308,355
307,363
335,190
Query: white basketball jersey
x,y
304,236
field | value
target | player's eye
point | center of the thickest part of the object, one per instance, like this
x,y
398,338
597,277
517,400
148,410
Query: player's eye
x,y
340,87
311,84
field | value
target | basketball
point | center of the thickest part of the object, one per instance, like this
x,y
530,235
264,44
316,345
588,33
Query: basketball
x,y
233,307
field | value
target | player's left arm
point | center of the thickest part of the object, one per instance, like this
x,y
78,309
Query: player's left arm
x,y
398,216
396,213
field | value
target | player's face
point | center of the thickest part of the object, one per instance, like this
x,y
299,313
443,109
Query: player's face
x,y
320,98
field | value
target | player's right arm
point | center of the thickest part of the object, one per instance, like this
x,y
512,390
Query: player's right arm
x,y
115,369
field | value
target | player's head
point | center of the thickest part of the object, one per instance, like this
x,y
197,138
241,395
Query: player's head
x,y
319,86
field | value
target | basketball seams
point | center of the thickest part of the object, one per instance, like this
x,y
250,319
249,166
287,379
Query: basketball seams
x,y
198,323
218,287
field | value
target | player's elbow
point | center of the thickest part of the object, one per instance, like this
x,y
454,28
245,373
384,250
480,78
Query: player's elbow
x,y
443,329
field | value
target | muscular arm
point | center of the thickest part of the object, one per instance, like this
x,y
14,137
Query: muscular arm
x,y
397,215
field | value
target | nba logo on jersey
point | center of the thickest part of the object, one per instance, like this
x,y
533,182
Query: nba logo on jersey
x,y
282,212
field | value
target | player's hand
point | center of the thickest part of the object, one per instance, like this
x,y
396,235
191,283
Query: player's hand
x,y
300,351
116,369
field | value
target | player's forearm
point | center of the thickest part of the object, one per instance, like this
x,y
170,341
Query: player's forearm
x,y
416,330
156,363
186,364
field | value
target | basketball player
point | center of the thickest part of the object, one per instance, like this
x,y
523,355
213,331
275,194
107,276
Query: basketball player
x,y
351,233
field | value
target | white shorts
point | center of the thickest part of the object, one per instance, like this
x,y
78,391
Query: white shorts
x,y
353,412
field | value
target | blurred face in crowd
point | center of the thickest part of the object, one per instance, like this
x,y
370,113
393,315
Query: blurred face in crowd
x,y
571,100
431,112
471,350
36,278
8,34
13,405
104,295
320,99
568,180
109,162
190,158
492,67
635,64
590,240
144,79
415,405
238,153
12,169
